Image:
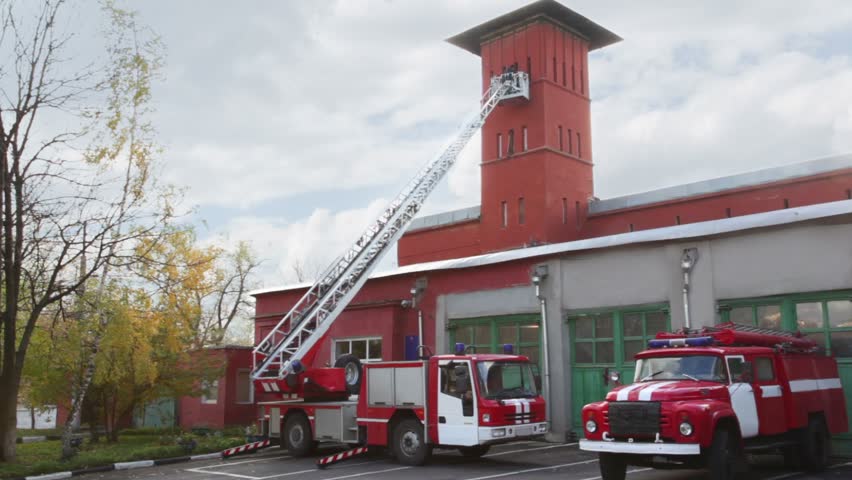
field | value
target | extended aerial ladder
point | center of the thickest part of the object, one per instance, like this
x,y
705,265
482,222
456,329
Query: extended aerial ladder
x,y
279,353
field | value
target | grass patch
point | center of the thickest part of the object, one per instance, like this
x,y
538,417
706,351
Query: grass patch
x,y
43,457
28,432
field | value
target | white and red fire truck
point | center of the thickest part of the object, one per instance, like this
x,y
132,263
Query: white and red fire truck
x,y
464,401
702,399
471,401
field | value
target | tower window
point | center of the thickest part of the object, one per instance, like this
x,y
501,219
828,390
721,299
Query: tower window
x,y
525,139
631,227
521,211
582,82
529,67
504,207
728,212
564,80
511,148
554,70
564,211
577,213
570,142
559,132
579,146
499,145
573,78
786,203
677,219
849,193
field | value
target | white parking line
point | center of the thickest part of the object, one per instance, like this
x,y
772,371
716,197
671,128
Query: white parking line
x,y
312,470
530,449
628,473
374,472
226,464
235,475
530,470
793,474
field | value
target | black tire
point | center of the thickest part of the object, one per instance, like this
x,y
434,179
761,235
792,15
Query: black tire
x,y
408,446
297,436
816,446
353,371
475,451
724,455
613,466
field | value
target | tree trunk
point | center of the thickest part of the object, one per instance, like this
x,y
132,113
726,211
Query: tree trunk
x,y
8,422
32,418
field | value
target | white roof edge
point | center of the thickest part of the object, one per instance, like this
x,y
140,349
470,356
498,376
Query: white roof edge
x,y
752,178
676,232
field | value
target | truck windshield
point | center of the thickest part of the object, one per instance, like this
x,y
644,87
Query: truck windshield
x,y
692,367
498,380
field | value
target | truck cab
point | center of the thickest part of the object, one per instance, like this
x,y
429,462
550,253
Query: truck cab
x,y
703,399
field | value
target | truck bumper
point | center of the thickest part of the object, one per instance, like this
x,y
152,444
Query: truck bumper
x,y
501,434
641,448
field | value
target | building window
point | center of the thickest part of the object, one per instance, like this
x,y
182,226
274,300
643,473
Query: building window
x,y
499,145
573,78
504,209
564,211
525,139
367,349
245,394
825,317
677,219
570,142
559,132
631,227
489,334
529,67
521,211
554,70
579,146
582,82
210,395
511,147
564,80
577,216
786,203
615,336
728,212
849,193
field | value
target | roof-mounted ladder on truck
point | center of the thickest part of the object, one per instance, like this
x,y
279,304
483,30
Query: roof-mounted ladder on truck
x,y
279,353
731,334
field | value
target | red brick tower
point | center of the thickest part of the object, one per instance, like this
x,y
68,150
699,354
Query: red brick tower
x,y
537,155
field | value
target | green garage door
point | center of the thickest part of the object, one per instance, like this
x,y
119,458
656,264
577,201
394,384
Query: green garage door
x,y
489,334
824,316
604,340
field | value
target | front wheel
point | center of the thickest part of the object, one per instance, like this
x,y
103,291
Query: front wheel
x,y
613,466
722,460
408,445
475,451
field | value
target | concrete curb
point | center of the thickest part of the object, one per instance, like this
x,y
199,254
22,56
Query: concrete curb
x,y
122,466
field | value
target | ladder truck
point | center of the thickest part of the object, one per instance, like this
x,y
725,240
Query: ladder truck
x,y
467,401
704,398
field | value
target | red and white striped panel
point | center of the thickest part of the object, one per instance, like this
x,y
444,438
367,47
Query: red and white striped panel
x,y
326,461
245,448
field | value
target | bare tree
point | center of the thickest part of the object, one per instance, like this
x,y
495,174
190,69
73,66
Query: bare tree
x,y
305,270
68,215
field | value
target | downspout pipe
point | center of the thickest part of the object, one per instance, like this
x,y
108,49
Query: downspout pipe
x,y
687,262
537,278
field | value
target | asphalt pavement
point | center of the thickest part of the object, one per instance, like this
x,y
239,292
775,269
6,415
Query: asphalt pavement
x,y
516,461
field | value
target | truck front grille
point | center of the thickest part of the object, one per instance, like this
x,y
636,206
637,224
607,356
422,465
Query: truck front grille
x,y
634,418
528,417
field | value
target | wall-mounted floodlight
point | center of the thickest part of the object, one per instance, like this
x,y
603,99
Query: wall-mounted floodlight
x,y
539,273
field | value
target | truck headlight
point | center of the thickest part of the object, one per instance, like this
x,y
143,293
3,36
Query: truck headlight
x,y
685,429
498,432
591,426
486,417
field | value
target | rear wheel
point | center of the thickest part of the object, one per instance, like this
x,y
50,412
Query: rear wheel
x,y
724,452
408,445
815,447
297,435
352,370
613,466
475,451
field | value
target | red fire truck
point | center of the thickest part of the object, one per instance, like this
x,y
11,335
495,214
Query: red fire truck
x,y
471,402
702,399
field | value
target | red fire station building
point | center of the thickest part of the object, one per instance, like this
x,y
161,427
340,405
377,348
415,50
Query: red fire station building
x,y
771,248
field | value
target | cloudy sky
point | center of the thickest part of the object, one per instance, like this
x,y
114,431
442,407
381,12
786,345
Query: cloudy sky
x,y
293,122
